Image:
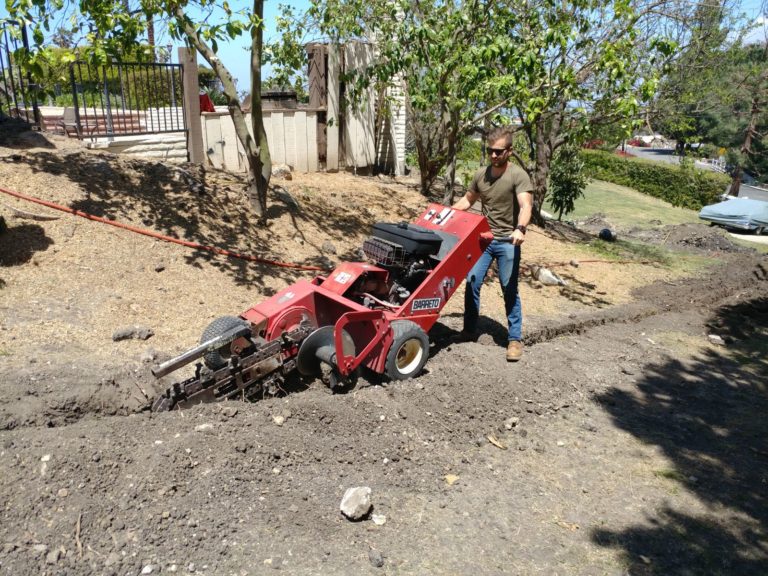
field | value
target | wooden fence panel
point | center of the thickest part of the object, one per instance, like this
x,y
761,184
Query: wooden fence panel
x,y
291,135
299,129
214,141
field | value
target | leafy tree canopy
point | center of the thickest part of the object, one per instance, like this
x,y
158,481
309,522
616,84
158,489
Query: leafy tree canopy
x,y
554,69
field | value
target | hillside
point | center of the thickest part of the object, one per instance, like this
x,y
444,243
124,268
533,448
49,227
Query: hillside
x,y
606,450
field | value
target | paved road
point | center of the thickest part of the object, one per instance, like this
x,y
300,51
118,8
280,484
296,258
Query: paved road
x,y
666,155
753,193
756,238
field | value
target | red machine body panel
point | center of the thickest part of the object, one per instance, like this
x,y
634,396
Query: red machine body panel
x,y
469,231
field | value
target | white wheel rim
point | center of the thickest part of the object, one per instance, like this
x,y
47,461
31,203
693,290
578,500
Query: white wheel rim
x,y
409,356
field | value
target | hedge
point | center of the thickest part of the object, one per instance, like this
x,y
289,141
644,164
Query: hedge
x,y
680,185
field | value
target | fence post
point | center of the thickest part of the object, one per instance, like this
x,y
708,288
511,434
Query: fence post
x,y
334,109
188,60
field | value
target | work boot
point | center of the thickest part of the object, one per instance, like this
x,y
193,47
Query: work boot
x,y
514,350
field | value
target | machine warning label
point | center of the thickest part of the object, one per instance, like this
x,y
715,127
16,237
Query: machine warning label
x,y
285,297
343,277
425,304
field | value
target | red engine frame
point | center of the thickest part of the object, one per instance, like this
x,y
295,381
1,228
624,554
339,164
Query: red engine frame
x,y
323,302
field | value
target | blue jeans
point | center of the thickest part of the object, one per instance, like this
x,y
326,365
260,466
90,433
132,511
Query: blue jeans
x,y
508,257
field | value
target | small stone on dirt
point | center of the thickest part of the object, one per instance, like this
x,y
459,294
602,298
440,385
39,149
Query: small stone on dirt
x,y
715,339
282,171
356,503
149,355
229,411
133,332
511,422
204,428
376,558
279,420
379,519
53,556
63,493
328,247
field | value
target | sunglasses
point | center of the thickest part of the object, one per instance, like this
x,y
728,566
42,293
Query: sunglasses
x,y
497,151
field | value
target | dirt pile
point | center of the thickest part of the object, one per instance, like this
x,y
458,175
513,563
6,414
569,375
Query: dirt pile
x,y
698,237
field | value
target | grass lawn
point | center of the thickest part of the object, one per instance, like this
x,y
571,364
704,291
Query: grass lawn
x,y
626,207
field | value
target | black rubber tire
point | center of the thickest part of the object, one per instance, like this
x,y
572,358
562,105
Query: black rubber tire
x,y
409,351
218,358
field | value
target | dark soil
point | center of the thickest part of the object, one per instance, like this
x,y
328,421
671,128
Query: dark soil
x,y
689,236
629,440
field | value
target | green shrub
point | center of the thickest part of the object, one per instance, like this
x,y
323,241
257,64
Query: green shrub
x,y
566,180
682,185
470,151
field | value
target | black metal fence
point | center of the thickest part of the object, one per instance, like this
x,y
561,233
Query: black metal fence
x,y
17,92
124,98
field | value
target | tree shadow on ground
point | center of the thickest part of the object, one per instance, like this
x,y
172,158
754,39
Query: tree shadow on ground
x,y
708,414
17,134
206,207
18,244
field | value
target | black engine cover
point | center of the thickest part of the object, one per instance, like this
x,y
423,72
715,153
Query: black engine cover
x,y
415,240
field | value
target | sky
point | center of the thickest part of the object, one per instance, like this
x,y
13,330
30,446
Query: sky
x,y
236,57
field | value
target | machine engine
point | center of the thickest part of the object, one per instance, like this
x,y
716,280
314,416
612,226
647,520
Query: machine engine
x,y
407,252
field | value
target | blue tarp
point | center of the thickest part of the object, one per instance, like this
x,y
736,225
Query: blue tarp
x,y
740,213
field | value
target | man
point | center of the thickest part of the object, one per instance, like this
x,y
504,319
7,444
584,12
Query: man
x,y
505,192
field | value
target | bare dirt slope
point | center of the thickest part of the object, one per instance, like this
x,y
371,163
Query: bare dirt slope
x,y
626,442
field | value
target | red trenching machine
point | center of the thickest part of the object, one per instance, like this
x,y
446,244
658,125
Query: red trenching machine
x,y
373,314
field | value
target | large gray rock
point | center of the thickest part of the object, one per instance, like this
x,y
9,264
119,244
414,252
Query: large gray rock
x,y
356,503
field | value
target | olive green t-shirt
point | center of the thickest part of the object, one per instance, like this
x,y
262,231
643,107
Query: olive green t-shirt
x,y
499,196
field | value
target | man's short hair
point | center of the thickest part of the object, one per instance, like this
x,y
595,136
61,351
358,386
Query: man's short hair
x,y
500,132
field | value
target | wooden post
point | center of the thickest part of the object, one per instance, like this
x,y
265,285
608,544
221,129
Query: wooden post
x,y
334,109
188,60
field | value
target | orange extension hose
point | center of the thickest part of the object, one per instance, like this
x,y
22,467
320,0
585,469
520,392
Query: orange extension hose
x,y
159,236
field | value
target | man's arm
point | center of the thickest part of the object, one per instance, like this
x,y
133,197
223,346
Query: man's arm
x,y
466,201
525,199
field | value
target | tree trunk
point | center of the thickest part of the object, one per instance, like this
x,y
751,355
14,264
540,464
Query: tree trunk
x,y
540,175
451,176
427,167
451,151
450,179
260,162
151,36
746,147
539,182
735,182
